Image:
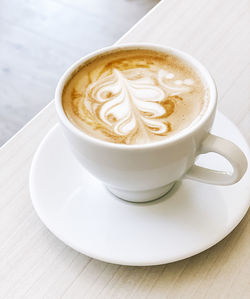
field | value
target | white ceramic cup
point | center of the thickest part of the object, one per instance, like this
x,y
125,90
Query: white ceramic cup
x,y
145,172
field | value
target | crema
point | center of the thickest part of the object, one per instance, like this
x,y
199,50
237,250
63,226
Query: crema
x,y
134,97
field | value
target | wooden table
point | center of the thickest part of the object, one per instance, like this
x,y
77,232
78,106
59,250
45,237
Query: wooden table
x,y
35,264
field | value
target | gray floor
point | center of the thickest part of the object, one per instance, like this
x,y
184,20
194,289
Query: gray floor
x,y
39,39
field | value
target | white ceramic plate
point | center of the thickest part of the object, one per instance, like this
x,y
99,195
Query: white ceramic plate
x,y
81,212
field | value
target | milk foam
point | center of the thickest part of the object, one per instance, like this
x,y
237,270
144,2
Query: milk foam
x,y
136,99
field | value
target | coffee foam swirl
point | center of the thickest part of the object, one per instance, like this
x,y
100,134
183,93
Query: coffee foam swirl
x,y
133,100
130,102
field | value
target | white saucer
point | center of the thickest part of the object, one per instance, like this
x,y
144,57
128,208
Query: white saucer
x,y
81,212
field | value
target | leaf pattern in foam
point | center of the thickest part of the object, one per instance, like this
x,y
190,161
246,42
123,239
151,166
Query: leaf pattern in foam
x,y
130,101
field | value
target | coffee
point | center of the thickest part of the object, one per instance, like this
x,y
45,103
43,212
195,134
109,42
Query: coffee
x,y
134,96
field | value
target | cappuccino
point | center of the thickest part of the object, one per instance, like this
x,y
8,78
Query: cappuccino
x,y
134,96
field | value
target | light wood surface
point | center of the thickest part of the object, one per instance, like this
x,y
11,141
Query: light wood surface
x,y
35,264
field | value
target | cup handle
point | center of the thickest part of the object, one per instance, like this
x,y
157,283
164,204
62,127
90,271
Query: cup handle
x,y
226,149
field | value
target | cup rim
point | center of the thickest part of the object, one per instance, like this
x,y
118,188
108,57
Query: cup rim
x,y
193,62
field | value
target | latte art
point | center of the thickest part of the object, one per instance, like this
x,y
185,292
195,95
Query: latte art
x,y
128,104
131,100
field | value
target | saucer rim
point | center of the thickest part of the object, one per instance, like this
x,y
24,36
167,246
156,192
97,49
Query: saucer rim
x,y
118,261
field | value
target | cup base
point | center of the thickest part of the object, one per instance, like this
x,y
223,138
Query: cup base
x,y
141,196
